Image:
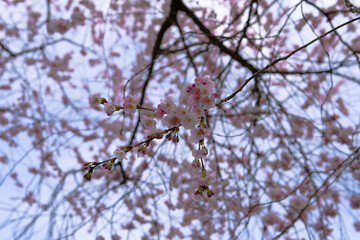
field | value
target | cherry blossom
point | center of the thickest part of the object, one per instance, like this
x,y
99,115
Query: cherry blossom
x,y
130,104
167,104
271,218
172,120
179,119
190,120
119,153
199,133
109,108
148,122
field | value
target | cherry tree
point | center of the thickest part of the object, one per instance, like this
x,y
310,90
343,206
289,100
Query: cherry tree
x,y
179,119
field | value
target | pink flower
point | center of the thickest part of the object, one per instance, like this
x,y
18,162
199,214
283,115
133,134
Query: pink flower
x,y
94,100
204,81
208,180
78,17
130,104
181,110
194,100
119,153
260,131
167,105
159,112
109,108
201,94
29,198
148,123
202,153
355,202
172,120
276,193
130,108
208,102
199,110
3,159
206,90
198,134
190,120
297,204
58,25
128,226
357,226
271,218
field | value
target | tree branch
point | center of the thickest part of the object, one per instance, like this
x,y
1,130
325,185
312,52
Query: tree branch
x,y
214,40
282,59
352,7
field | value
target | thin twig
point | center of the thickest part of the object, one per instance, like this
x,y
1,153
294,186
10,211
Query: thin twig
x,y
281,59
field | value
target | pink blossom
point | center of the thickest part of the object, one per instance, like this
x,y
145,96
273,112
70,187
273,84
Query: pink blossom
x,y
275,193
190,120
129,108
173,232
115,237
58,25
203,81
128,226
199,110
190,88
109,108
12,32
320,226
357,226
148,123
159,112
181,111
342,107
77,17
271,218
355,202
208,180
200,94
3,159
205,90
202,153
194,100
297,204
130,104
198,134
172,120
260,131
167,105
119,153
208,102
29,198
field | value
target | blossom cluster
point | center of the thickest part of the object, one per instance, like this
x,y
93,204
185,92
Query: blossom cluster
x,y
129,105
189,113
